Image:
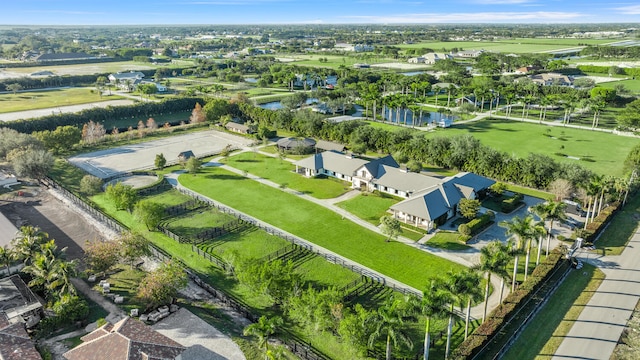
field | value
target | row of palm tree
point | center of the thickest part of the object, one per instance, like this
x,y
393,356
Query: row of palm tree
x,y
42,260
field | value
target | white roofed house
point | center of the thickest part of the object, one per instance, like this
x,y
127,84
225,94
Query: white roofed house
x,y
126,80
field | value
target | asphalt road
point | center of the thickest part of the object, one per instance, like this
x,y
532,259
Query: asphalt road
x,y
596,332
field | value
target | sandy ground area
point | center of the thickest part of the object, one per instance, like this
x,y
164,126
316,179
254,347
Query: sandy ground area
x,y
621,64
105,163
203,341
29,114
136,181
76,69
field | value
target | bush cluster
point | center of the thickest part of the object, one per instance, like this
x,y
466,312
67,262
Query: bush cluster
x,y
510,204
593,228
505,311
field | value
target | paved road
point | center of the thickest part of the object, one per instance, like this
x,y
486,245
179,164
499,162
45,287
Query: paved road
x,y
28,114
595,334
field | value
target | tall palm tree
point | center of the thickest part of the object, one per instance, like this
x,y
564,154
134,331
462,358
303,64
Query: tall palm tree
x,y
493,260
432,305
550,211
60,277
592,189
520,231
388,322
263,329
471,292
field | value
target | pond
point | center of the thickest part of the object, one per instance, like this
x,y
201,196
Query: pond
x,y
276,105
394,116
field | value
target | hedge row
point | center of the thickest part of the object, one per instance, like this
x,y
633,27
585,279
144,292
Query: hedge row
x,y
51,122
510,204
593,228
606,69
505,311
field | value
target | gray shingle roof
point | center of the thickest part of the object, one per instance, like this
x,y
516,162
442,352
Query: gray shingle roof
x,y
15,343
328,145
474,181
332,161
396,178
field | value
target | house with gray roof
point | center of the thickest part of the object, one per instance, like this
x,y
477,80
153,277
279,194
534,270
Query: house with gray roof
x,y
429,200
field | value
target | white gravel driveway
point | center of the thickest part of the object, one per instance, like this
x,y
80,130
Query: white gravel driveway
x,y
203,341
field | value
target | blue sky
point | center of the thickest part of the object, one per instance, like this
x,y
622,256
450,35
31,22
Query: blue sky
x,y
108,12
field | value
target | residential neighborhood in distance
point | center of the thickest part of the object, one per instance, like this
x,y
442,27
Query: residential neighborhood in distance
x,y
286,180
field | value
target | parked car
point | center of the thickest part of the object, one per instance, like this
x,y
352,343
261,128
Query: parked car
x,y
574,208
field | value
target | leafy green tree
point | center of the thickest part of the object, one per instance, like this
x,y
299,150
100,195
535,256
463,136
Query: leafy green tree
x,y
123,196
149,213
160,161
193,165
277,279
606,94
469,208
263,329
319,310
90,185
62,139
494,258
390,226
215,109
355,327
30,162
161,285
14,87
101,256
133,246
388,323
11,140
632,162
629,117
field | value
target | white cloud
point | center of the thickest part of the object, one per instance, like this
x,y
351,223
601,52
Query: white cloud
x,y
483,17
629,10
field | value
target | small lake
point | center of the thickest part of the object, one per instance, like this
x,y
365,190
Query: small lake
x,y
277,105
427,117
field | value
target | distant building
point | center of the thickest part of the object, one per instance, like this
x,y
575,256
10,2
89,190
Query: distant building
x,y
127,80
185,155
547,79
361,66
41,73
239,128
526,69
430,58
469,53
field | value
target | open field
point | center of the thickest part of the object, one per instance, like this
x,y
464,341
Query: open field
x,y
333,61
633,85
105,163
508,46
283,172
542,337
606,152
621,228
88,69
50,99
30,114
370,207
310,221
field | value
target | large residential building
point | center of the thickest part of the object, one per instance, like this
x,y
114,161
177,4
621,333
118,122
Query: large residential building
x,y
15,343
429,200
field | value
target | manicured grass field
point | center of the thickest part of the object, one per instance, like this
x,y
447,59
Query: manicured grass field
x,y
508,46
318,225
620,230
333,61
169,198
99,68
447,240
282,172
50,99
370,207
542,337
633,85
606,151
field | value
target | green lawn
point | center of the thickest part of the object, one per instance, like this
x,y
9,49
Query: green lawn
x,y
447,240
99,68
334,61
282,172
169,198
369,207
318,225
518,45
530,192
194,223
125,282
50,99
251,243
605,151
633,85
547,329
620,230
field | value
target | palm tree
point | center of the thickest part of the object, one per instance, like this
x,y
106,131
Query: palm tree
x,y
7,256
550,211
27,243
493,259
263,329
388,321
520,231
592,189
432,305
470,291
60,277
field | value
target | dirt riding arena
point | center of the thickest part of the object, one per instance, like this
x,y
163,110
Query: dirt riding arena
x,y
106,163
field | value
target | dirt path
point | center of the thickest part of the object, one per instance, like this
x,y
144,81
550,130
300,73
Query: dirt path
x,y
29,114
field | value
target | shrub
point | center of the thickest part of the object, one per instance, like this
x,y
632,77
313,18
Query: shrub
x,y
464,229
90,185
478,224
510,204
